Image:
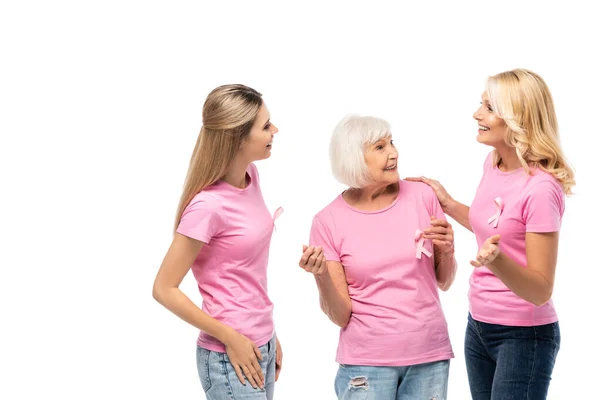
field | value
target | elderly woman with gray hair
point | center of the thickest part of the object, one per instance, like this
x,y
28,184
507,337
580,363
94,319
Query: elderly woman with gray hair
x,y
379,252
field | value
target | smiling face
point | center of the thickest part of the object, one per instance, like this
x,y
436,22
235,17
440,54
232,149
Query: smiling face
x,y
492,128
381,158
259,142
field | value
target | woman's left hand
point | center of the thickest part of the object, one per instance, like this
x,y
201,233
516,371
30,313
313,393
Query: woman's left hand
x,y
278,359
488,252
441,234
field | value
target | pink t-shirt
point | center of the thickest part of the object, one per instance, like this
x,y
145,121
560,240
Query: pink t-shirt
x,y
231,268
527,203
397,318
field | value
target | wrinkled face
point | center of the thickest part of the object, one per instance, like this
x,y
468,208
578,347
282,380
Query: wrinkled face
x,y
381,158
260,140
492,129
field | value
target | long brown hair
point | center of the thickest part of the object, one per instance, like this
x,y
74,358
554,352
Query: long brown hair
x,y
522,99
227,118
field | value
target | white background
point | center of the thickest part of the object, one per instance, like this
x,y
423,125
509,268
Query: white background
x,y
100,107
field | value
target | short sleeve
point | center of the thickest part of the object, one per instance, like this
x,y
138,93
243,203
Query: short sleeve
x,y
543,207
320,235
201,219
434,205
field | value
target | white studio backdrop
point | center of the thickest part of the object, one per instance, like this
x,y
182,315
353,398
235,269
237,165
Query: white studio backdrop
x,y
100,107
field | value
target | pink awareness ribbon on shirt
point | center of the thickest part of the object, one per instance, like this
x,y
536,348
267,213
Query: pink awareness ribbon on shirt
x,y
420,241
276,215
499,208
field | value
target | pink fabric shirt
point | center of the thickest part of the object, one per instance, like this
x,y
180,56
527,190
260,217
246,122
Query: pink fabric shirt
x,y
529,204
396,319
231,268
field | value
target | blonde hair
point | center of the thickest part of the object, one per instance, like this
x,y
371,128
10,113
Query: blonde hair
x,y
227,118
522,99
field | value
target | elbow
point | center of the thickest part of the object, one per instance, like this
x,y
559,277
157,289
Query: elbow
x,y
339,319
538,302
444,284
158,292
342,322
343,319
542,299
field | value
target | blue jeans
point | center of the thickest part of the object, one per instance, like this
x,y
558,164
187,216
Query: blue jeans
x,y
220,381
416,382
510,362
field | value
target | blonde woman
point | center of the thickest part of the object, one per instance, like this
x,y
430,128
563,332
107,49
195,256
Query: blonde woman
x,y
513,334
223,232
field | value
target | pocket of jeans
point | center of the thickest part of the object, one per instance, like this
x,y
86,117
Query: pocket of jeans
x,y
203,362
548,332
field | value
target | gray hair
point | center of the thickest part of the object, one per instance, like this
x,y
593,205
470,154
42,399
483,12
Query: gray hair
x,y
347,147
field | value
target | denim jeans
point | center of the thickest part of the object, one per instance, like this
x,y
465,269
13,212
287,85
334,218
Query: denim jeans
x,y
220,381
510,362
416,382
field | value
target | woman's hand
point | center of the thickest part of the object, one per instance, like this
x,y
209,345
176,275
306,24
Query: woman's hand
x,y
488,252
244,355
313,260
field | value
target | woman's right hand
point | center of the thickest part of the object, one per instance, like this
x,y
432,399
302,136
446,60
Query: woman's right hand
x,y
244,355
313,260
443,197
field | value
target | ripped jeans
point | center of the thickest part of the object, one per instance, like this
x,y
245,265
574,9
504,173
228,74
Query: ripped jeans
x,y
415,382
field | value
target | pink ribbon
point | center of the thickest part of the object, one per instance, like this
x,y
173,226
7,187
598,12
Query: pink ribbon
x,y
499,208
276,215
420,244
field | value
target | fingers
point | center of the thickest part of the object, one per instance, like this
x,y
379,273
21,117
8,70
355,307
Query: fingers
x,y
278,359
494,239
307,253
239,374
304,247
414,179
444,244
320,265
436,229
251,376
439,222
312,260
258,374
475,264
438,237
258,353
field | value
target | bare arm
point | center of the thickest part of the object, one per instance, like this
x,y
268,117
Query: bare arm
x,y
534,283
175,266
333,294
242,352
445,269
442,236
331,282
457,211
